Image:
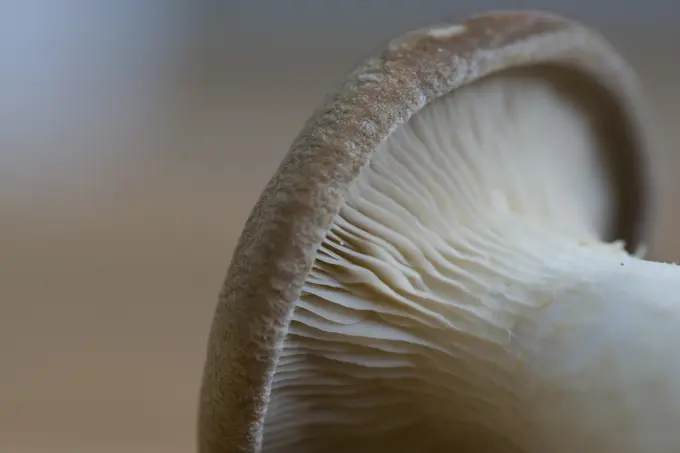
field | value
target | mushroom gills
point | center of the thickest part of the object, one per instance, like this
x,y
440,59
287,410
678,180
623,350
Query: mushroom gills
x,y
454,304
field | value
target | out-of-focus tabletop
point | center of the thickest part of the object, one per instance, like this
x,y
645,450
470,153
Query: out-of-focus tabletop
x,y
114,240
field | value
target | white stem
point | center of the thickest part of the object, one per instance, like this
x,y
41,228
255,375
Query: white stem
x,y
601,361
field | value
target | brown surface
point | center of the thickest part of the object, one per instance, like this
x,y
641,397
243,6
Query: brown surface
x,y
110,268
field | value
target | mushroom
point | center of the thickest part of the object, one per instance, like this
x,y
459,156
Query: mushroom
x,y
446,260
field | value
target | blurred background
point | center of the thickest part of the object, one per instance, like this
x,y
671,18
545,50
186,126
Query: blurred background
x,y
135,135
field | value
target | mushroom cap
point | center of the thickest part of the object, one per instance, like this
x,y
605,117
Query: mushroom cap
x,y
278,245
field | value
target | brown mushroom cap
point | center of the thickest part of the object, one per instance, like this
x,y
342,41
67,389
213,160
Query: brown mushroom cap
x,y
289,222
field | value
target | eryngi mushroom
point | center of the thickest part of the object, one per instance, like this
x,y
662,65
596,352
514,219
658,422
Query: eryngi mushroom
x,y
445,261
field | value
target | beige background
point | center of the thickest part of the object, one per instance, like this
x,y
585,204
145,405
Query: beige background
x,y
119,209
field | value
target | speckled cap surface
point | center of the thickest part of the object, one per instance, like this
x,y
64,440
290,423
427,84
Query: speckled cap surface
x,y
279,242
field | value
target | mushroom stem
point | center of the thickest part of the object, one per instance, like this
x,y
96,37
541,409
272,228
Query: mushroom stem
x,y
599,368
